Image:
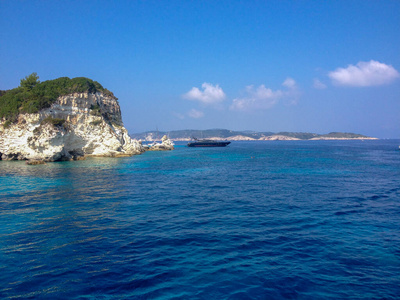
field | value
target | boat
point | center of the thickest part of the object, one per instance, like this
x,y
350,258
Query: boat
x,y
208,143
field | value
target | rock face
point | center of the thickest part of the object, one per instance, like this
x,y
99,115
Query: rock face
x,y
75,126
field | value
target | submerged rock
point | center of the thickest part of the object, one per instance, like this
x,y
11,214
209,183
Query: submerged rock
x,y
35,162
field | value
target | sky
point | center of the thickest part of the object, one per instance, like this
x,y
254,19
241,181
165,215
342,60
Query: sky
x,y
300,66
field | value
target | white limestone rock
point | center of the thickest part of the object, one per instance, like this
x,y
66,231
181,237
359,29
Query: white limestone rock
x,y
276,137
75,126
166,144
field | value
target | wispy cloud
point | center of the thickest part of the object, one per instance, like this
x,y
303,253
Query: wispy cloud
x,y
370,73
196,114
178,115
289,83
318,84
209,95
262,98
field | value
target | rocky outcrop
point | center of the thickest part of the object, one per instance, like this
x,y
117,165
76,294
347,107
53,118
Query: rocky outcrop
x,y
166,144
75,126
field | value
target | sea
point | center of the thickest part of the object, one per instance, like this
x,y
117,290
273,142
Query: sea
x,y
254,220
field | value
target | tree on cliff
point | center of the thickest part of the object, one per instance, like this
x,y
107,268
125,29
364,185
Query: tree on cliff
x,y
30,81
32,95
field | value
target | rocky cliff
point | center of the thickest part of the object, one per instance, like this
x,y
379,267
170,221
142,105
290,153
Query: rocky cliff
x,y
74,126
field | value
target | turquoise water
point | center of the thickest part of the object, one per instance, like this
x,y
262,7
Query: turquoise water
x,y
255,220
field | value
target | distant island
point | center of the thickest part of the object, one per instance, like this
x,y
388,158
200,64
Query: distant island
x,y
225,134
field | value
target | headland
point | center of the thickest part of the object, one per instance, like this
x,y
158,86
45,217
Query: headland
x,y
62,119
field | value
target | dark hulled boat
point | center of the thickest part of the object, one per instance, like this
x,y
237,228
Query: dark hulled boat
x,y
208,143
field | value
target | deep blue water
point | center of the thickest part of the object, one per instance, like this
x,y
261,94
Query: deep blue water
x,y
255,220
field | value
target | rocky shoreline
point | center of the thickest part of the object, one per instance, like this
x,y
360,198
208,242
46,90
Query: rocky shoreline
x,y
64,119
73,127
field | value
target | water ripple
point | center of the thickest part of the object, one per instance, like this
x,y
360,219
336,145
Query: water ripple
x,y
252,221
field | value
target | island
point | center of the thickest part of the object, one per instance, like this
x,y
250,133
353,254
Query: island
x,y
224,134
62,119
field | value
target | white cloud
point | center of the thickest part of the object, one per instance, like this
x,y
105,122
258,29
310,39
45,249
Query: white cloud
x,y
289,83
370,73
318,84
264,98
196,114
209,95
257,98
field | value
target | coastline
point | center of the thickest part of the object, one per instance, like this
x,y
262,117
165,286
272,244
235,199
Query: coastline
x,y
275,138
225,134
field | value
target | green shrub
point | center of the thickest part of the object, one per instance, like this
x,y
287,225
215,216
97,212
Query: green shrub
x,y
29,82
7,124
32,95
53,121
95,110
95,123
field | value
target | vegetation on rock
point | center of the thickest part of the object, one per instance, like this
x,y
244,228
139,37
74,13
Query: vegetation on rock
x,y
95,110
53,121
298,135
32,95
96,122
343,135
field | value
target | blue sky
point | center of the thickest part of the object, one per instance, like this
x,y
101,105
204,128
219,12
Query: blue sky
x,y
310,66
